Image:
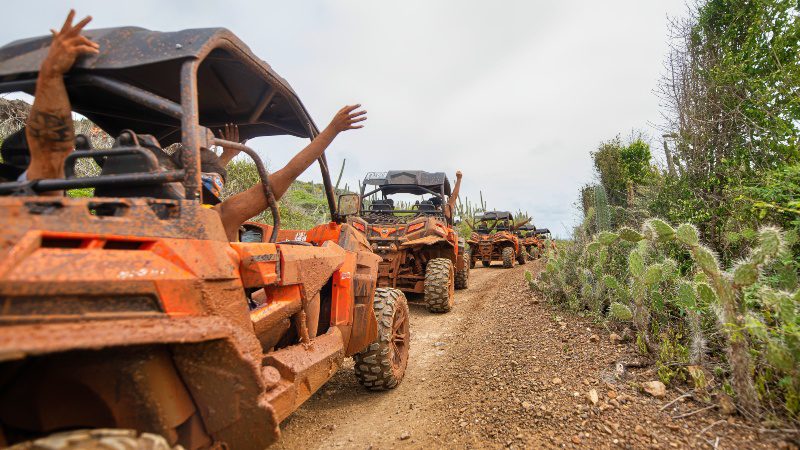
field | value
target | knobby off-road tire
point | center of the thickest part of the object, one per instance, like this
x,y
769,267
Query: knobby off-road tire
x,y
462,276
508,257
439,285
99,439
522,258
383,364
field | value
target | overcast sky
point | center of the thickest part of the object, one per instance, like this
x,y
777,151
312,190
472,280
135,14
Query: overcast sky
x,y
514,93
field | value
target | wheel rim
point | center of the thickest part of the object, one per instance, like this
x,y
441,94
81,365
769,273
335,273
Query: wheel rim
x,y
399,341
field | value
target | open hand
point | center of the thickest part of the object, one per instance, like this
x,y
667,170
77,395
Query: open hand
x,y
347,118
230,133
67,45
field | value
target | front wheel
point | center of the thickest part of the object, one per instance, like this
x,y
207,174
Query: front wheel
x,y
383,364
522,258
98,439
508,257
439,285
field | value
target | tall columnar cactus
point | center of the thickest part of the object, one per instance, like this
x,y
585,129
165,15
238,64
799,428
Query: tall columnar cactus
x,y
602,209
728,290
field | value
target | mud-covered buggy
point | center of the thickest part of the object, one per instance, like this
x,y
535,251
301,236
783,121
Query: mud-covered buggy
x,y
493,239
131,309
529,241
421,251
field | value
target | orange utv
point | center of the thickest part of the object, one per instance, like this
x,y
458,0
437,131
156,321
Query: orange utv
x,y
543,237
128,319
403,217
493,239
529,241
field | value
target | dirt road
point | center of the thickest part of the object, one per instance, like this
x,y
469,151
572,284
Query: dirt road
x,y
506,369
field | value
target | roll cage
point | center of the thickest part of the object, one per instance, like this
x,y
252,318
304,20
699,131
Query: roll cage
x,y
482,225
404,182
172,85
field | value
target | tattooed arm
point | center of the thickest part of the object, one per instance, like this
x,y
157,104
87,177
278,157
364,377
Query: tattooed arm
x,y
49,127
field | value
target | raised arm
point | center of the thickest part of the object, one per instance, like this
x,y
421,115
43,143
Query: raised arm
x,y
451,202
237,209
49,127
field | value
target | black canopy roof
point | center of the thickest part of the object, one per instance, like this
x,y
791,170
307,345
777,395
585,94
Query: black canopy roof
x,y
496,215
417,182
527,227
542,231
233,85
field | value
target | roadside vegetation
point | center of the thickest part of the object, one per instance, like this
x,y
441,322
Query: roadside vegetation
x,y
696,251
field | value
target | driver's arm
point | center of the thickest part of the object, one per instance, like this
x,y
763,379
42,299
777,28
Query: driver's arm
x,y
451,202
49,127
237,209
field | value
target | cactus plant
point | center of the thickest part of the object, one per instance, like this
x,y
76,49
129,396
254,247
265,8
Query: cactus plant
x,y
728,289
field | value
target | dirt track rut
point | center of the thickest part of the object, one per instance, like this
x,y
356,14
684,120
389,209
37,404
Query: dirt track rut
x,y
506,369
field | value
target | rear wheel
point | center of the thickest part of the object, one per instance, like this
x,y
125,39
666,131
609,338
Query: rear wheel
x,y
383,364
508,257
522,257
99,439
462,276
439,285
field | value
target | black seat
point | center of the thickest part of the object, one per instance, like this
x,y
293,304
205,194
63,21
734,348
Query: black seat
x,y
136,163
382,205
427,206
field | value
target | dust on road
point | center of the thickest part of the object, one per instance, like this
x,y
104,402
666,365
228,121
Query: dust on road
x,y
506,369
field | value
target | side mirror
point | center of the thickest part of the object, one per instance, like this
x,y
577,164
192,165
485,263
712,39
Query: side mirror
x,y
349,204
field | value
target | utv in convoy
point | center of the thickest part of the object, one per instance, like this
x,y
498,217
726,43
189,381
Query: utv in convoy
x,y
543,238
528,240
493,239
421,251
131,310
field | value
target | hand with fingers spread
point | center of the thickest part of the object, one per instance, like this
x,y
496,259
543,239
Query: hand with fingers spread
x,y
347,118
240,207
229,133
67,45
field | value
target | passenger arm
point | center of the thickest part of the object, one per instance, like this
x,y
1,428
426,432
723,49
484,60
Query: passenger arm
x,y
237,209
49,128
451,202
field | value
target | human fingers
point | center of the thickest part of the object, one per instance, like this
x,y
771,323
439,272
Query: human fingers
x,y
357,113
87,49
79,26
68,23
